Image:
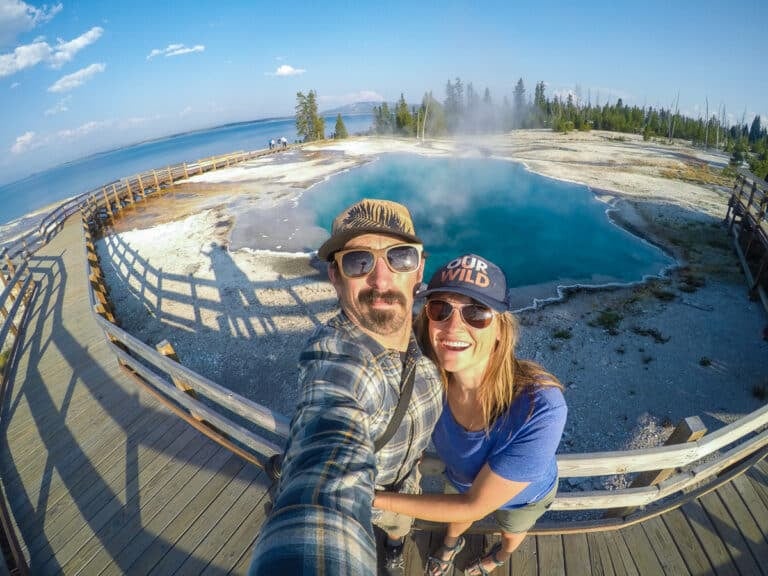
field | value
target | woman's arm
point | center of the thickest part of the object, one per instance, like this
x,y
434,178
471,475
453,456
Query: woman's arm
x,y
488,492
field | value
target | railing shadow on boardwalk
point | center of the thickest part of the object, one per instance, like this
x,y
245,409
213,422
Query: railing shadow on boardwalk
x,y
256,343
63,452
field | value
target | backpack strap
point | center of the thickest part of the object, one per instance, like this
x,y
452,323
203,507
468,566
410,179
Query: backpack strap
x,y
406,389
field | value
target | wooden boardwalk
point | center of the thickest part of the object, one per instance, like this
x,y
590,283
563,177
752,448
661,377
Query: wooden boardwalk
x,y
101,479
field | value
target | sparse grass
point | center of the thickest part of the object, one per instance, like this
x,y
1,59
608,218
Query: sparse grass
x,y
652,332
667,422
704,361
609,320
662,294
696,173
690,282
562,333
4,355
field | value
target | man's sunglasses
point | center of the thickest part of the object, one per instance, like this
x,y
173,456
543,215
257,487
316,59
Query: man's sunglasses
x,y
474,315
359,262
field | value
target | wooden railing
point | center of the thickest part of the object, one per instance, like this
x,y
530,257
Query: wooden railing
x,y
665,476
748,223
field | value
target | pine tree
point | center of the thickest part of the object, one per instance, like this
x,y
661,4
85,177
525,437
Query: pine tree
x,y
403,118
309,124
340,130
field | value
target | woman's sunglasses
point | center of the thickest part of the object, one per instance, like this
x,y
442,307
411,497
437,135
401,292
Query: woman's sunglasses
x,y
358,262
474,315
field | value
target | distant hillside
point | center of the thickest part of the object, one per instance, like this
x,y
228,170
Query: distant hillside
x,y
356,108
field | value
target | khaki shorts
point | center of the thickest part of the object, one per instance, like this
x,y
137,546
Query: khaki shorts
x,y
517,520
394,524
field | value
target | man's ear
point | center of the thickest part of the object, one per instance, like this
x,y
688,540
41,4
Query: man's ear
x,y
420,272
334,276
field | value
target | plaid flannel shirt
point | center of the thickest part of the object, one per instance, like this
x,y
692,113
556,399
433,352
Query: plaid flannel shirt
x,y
321,522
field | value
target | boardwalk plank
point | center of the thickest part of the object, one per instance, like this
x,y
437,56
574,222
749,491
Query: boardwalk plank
x,y
576,553
730,534
117,517
174,521
621,556
753,502
642,551
524,561
106,447
159,510
252,498
550,554
758,476
711,543
65,517
687,543
599,555
238,548
745,524
664,546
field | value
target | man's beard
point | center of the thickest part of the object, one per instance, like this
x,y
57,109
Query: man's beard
x,y
382,321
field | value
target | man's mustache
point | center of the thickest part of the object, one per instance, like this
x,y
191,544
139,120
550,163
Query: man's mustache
x,y
390,297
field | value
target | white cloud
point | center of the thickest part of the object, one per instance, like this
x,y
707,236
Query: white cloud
x,y
175,50
71,81
15,85
28,55
23,57
59,107
24,143
65,51
286,70
17,17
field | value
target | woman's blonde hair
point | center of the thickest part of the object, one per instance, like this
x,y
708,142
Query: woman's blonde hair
x,y
505,377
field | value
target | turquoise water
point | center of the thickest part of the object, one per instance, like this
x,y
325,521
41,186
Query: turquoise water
x,y
539,230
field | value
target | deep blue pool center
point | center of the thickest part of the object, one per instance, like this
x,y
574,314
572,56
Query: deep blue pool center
x,y
539,230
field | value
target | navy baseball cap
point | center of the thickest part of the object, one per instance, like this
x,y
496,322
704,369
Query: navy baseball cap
x,y
474,276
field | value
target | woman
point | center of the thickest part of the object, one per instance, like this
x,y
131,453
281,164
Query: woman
x,y
502,417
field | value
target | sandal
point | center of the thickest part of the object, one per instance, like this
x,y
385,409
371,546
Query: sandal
x,y
437,566
477,568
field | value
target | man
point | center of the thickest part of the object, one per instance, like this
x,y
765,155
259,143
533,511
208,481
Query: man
x,y
351,373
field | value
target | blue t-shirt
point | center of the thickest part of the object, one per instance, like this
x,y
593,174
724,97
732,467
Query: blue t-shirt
x,y
517,448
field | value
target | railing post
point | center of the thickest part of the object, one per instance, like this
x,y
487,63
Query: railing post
x,y
107,205
689,429
117,199
166,349
130,192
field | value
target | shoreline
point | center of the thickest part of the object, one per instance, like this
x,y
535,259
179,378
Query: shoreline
x,y
240,316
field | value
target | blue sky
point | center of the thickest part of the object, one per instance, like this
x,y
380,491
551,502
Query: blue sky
x,y
78,77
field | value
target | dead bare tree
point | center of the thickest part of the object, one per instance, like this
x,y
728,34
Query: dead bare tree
x,y
672,115
706,131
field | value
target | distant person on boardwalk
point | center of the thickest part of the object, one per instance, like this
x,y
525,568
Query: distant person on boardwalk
x,y
283,142
272,144
501,423
353,374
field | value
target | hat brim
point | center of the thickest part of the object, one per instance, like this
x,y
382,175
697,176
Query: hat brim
x,y
339,240
492,303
